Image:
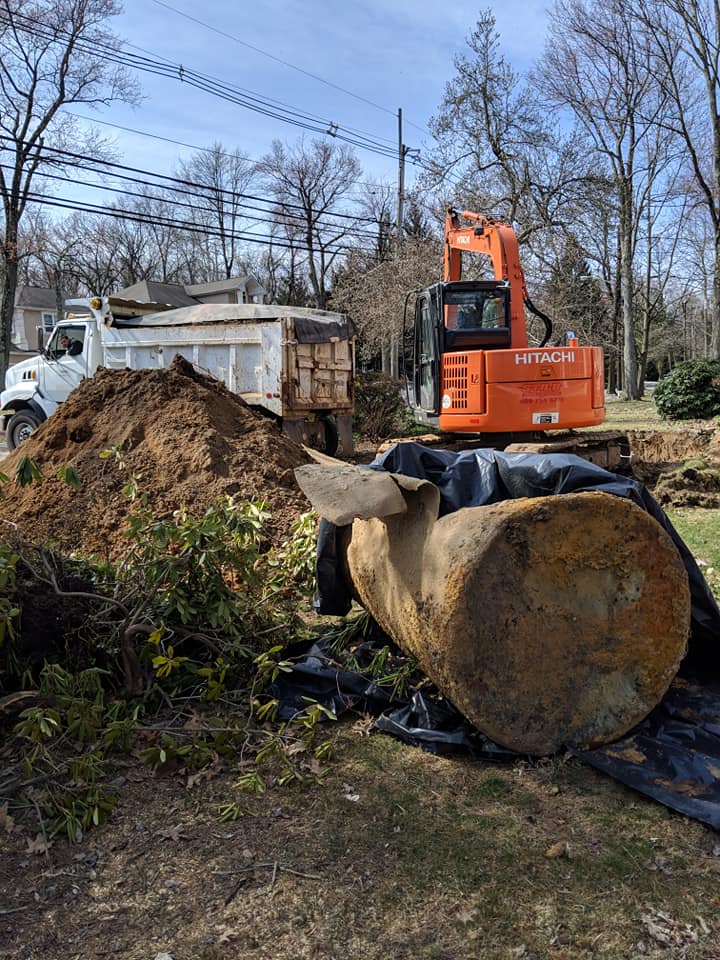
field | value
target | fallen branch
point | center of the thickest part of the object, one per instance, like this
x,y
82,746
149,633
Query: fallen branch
x,y
271,865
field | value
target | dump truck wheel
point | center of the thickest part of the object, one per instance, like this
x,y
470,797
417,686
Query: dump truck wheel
x,y
331,437
19,428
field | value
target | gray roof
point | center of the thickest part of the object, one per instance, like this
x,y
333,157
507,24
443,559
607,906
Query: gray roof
x,y
150,291
36,298
219,286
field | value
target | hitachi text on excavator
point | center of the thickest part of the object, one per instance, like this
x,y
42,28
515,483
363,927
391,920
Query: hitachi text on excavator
x,y
472,370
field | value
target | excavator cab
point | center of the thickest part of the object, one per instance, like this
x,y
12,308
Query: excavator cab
x,y
459,315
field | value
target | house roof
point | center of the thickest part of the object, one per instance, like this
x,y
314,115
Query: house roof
x,y
220,286
35,298
150,291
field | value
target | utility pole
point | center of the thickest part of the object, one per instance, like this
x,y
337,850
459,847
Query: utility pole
x,y
402,152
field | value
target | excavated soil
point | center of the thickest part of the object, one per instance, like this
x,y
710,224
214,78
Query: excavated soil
x,y
682,468
693,484
189,438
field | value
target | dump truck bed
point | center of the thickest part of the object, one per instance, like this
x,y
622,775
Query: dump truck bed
x,y
289,360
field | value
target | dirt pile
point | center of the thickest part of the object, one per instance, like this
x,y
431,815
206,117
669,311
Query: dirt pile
x,y
681,468
693,484
665,446
189,438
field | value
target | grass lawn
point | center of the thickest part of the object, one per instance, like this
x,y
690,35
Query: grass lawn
x,y
643,415
700,529
398,855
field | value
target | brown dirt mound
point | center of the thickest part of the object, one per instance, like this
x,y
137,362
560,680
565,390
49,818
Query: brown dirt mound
x,y
190,439
694,484
664,446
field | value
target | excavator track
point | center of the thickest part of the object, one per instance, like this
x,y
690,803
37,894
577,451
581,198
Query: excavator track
x,y
609,449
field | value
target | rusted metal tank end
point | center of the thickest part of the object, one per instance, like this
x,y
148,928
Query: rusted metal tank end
x,y
547,622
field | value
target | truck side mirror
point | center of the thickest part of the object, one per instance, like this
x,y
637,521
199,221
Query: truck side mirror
x,y
40,339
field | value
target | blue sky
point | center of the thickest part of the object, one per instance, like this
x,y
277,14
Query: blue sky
x,y
394,54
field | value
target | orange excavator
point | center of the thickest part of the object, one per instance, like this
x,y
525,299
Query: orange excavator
x,y
472,369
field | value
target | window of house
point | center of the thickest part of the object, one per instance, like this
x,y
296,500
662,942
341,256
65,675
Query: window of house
x,y
48,321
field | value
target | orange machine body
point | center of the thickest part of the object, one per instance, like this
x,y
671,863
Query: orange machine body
x,y
546,388
486,379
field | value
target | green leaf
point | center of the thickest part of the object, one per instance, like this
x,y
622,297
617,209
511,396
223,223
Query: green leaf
x,y
28,471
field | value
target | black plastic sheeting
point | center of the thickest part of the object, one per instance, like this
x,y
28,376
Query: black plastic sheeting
x,y
323,330
673,756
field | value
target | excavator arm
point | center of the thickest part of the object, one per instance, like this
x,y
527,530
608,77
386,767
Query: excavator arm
x,y
497,241
494,238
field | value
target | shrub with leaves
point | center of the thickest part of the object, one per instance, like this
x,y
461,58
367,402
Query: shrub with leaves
x,y
61,758
9,610
381,410
196,617
691,391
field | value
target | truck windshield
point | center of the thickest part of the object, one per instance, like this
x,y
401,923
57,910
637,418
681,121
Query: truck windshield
x,y
475,310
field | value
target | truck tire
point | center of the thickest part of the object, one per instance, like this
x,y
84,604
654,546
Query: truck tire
x,y
19,428
331,437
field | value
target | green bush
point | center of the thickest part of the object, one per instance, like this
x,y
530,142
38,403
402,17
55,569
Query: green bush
x,y
381,410
691,391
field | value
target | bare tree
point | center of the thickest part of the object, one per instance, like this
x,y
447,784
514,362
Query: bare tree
x,y
52,257
167,241
221,179
375,294
311,184
686,52
377,204
51,55
497,143
597,63
95,259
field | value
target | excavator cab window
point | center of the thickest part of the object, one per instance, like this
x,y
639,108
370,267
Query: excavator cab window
x,y
426,350
477,314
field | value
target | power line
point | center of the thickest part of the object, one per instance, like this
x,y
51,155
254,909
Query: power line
x,y
294,219
157,56
177,143
43,200
225,92
220,89
286,63
91,164
415,161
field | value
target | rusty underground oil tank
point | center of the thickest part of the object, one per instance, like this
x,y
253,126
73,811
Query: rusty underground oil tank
x,y
548,622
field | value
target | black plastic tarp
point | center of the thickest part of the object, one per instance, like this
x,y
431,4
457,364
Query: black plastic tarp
x,y
674,755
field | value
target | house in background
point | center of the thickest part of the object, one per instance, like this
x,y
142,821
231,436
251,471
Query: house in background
x,y
34,307
234,290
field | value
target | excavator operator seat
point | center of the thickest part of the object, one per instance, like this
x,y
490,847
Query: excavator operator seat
x,y
469,316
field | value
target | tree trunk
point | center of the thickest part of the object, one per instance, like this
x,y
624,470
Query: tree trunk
x,y
385,358
59,298
626,294
7,305
715,319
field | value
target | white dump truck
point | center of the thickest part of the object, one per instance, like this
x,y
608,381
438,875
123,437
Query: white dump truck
x,y
294,363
